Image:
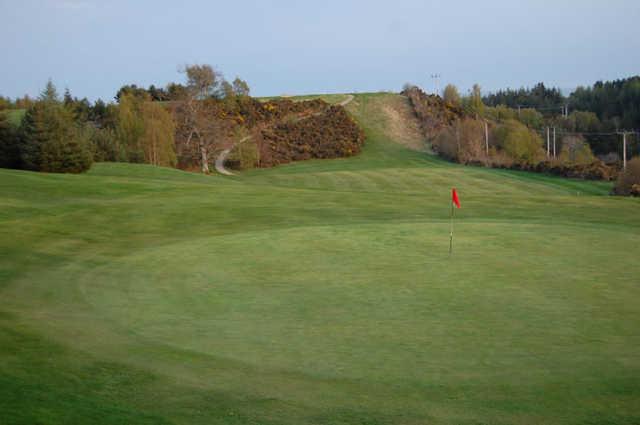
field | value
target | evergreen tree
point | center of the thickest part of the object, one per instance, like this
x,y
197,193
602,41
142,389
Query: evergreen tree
x,y
50,93
9,150
51,141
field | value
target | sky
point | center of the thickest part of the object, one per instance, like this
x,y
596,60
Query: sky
x,y
330,46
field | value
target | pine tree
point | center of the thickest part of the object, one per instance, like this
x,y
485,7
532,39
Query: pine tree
x,y
9,153
51,141
50,93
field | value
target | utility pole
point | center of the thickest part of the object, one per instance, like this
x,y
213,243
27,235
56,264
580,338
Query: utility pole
x,y
518,111
547,142
554,142
437,83
486,137
624,150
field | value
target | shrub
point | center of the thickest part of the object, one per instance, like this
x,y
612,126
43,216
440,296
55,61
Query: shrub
x,y
463,141
520,143
628,182
327,134
245,155
576,151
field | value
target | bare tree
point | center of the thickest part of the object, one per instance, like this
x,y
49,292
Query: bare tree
x,y
200,119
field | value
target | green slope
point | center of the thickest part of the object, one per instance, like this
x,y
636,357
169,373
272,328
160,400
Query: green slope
x,y
318,292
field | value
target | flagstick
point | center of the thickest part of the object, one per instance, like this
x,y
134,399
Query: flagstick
x,y
451,233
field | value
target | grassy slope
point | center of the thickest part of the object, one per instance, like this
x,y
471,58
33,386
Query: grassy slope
x,y
319,292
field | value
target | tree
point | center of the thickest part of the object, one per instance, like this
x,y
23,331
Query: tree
x,y
50,139
531,118
5,103
240,87
519,142
158,135
202,81
9,149
130,126
474,101
50,93
24,103
176,91
133,90
451,95
201,120
576,151
227,90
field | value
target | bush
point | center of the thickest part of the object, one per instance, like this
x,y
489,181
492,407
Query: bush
x,y
105,145
245,155
576,151
462,142
328,134
628,182
520,143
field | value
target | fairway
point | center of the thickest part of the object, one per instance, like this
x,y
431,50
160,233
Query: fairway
x,y
320,292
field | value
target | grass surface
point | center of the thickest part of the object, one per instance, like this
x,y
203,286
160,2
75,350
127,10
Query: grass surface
x,y
319,292
14,115
329,98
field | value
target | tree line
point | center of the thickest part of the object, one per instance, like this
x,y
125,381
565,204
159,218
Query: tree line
x,y
466,130
66,134
181,125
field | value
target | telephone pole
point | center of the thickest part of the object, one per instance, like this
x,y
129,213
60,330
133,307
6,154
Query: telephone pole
x,y
486,137
436,77
554,142
624,150
547,142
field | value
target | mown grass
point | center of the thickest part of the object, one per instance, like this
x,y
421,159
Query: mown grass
x,y
319,292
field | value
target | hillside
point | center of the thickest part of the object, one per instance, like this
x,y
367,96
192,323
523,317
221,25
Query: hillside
x,y
318,292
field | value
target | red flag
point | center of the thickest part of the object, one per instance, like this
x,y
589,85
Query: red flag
x,y
454,197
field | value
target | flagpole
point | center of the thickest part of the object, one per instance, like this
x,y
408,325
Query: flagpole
x,y
451,233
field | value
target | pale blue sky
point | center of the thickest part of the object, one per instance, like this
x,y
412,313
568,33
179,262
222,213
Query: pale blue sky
x,y
94,47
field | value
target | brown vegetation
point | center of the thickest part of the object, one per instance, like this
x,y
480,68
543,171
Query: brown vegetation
x,y
459,135
434,113
628,182
328,134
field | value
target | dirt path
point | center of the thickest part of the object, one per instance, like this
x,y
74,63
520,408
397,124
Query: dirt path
x,y
219,164
347,100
